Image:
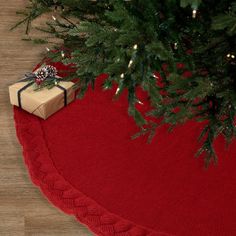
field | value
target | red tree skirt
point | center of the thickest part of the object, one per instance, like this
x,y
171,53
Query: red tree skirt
x,y
83,160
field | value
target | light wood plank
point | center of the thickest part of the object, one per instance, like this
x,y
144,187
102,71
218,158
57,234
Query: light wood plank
x,y
24,211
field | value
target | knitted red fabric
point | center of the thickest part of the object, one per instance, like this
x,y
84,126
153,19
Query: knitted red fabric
x,y
85,163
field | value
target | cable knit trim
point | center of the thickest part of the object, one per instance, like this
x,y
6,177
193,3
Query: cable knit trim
x,y
61,193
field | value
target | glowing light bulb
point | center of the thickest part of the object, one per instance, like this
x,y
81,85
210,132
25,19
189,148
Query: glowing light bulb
x,y
122,76
194,13
141,103
118,90
54,18
175,46
135,47
130,63
155,76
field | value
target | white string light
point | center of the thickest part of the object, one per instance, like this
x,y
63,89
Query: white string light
x,y
54,18
155,76
230,56
175,46
130,63
118,90
194,13
122,76
62,54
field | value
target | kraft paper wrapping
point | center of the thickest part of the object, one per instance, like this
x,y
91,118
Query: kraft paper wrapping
x,y
44,102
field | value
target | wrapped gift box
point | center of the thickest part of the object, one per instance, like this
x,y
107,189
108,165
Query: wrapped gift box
x,y
43,102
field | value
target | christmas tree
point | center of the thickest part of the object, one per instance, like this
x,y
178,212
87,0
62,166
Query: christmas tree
x,y
150,45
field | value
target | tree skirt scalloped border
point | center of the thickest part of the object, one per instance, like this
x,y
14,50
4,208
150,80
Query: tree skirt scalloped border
x,y
195,201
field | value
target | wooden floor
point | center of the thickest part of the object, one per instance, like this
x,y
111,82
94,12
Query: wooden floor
x,y
23,209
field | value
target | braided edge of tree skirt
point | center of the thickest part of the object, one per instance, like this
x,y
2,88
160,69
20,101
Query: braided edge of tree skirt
x,y
60,192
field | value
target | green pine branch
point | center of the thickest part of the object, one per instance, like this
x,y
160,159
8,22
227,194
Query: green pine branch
x,y
131,40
